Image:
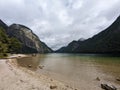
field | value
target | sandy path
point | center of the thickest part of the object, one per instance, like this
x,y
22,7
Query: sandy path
x,y
13,77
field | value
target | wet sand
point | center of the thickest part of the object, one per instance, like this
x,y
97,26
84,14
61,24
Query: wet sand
x,y
14,77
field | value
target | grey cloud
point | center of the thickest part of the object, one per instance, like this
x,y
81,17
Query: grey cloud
x,y
58,22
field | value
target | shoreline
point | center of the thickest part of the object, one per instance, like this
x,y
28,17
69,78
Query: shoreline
x,y
15,77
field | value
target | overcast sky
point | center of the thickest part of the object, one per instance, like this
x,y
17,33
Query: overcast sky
x,y
58,22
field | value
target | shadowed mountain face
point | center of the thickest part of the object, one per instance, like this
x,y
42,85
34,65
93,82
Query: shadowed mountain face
x,y
30,41
107,41
3,25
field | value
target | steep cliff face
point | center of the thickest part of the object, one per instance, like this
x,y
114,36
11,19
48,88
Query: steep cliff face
x,y
30,42
107,41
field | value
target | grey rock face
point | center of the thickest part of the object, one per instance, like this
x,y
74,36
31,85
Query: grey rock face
x,y
30,42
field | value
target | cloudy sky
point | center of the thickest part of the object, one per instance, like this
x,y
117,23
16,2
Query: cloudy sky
x,y
58,22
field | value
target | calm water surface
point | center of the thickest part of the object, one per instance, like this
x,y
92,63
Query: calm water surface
x,y
77,70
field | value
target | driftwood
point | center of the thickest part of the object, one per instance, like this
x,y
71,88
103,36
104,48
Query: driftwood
x,y
107,87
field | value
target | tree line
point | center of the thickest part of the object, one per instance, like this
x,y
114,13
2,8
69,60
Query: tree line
x,y
8,44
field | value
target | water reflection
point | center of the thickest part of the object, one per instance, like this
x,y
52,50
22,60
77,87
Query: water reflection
x,y
31,63
75,69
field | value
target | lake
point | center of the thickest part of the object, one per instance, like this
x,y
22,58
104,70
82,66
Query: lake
x,y
77,70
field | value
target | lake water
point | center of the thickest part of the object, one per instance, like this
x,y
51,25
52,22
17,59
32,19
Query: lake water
x,y
77,70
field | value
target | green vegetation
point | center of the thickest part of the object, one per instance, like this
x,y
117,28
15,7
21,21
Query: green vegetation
x,y
14,45
8,45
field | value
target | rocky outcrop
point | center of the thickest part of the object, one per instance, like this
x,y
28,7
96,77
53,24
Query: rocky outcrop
x,y
30,42
107,41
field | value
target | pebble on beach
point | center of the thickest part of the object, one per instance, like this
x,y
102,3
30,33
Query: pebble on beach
x,y
53,87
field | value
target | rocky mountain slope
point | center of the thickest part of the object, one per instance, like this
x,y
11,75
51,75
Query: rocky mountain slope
x,y
107,41
30,42
3,25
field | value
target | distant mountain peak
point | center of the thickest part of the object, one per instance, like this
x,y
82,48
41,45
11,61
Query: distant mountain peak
x,y
107,41
81,39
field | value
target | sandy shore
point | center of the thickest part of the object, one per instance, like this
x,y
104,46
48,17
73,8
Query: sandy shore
x,y
14,77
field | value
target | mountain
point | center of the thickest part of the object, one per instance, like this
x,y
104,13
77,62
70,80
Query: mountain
x,y
7,44
3,25
107,41
29,41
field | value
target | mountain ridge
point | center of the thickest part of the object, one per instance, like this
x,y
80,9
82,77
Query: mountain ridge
x,y
29,40
107,41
